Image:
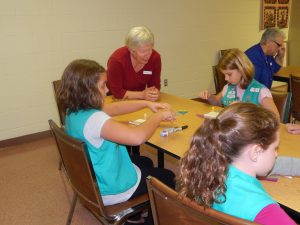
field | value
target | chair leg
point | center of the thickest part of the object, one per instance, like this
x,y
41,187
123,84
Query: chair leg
x,y
71,211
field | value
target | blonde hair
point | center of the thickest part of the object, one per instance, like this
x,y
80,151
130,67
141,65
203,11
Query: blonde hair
x,y
236,59
137,36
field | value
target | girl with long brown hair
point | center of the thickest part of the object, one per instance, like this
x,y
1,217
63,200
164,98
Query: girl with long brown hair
x,y
82,98
226,154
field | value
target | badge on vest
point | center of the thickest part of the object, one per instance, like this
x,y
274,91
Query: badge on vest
x,y
147,72
231,94
254,89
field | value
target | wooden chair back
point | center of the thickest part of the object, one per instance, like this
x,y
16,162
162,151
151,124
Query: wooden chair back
x,y
79,170
170,208
295,89
223,51
219,79
282,101
56,84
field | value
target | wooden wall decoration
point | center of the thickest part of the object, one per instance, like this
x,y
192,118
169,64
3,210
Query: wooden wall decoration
x,y
275,13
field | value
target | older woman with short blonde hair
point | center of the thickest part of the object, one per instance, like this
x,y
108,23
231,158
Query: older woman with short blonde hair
x,y
133,71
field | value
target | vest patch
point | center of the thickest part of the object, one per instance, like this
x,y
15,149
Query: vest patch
x,y
254,89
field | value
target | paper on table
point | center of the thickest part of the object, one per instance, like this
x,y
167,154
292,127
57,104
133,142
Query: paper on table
x,y
137,122
211,115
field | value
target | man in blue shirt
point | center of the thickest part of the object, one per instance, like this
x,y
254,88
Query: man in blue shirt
x,y
267,56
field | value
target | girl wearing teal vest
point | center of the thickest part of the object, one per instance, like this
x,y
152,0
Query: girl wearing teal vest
x,y
239,71
81,96
226,154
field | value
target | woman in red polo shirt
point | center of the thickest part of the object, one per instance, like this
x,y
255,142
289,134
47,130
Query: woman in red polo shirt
x,y
133,71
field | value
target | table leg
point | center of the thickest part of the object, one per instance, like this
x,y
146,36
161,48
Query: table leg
x,y
160,159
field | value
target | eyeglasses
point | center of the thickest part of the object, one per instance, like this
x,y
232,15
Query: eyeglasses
x,y
279,45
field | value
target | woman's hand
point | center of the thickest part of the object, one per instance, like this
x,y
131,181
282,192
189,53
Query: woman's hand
x,y
151,94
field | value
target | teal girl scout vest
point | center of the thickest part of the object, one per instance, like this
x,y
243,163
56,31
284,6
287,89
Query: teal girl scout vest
x,y
251,94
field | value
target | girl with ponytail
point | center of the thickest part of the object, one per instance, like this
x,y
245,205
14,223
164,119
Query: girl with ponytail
x,y
226,154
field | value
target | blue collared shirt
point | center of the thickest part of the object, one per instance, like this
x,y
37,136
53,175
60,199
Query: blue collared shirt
x,y
265,66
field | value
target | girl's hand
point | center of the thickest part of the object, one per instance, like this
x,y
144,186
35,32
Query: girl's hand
x,y
204,94
293,128
167,116
155,106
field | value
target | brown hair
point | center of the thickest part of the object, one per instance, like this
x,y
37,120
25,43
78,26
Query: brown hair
x,y
236,59
216,143
79,87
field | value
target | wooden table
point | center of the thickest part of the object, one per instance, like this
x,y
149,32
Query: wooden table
x,y
285,190
177,143
284,74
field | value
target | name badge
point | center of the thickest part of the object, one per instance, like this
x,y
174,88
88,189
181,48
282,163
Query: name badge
x,y
254,89
147,72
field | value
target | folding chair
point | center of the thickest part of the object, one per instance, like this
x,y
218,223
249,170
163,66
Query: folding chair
x,y
170,208
282,101
223,51
295,89
219,79
56,84
81,175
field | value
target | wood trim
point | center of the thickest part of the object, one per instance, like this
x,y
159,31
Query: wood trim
x,y
25,138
